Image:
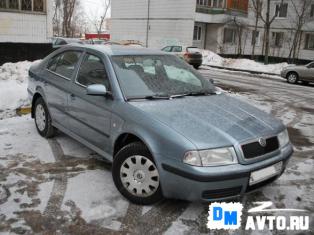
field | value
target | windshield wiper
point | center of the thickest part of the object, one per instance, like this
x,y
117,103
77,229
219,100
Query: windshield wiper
x,y
151,97
198,93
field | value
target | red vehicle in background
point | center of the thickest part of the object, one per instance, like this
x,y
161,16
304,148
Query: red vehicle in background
x,y
104,36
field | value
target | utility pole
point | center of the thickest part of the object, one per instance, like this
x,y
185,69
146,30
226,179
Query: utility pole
x,y
148,27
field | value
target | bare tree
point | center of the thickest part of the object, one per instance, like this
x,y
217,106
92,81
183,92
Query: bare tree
x,y
302,13
268,20
240,29
257,9
97,22
56,20
68,12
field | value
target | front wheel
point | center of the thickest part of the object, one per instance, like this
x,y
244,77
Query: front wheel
x,y
136,175
292,78
43,119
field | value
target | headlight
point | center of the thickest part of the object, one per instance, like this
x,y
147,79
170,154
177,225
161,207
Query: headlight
x,y
212,157
283,138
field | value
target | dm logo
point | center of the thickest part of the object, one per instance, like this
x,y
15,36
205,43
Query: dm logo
x,y
224,215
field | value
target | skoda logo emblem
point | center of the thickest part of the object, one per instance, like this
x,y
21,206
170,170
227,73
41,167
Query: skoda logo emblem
x,y
262,142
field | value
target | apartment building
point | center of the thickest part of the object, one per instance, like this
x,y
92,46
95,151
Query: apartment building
x,y
223,26
25,29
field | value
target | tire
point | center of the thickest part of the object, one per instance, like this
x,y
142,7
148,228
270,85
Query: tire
x,y
292,78
135,174
196,66
43,119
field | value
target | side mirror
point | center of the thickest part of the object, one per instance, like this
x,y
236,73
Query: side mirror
x,y
97,90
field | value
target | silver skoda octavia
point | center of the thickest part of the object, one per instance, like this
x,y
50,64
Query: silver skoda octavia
x,y
165,129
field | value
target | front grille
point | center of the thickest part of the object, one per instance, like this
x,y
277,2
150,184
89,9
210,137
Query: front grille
x,y
254,149
221,193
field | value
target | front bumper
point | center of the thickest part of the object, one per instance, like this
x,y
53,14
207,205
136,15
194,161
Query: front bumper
x,y
283,74
191,183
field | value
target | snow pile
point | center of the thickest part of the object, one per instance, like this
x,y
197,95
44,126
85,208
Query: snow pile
x,y
13,87
211,58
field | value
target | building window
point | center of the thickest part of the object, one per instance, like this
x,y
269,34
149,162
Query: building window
x,y
281,10
211,3
309,41
312,10
14,4
277,39
3,4
229,35
255,37
38,5
26,5
23,5
197,33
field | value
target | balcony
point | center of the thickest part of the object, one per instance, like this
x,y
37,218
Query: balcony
x,y
215,11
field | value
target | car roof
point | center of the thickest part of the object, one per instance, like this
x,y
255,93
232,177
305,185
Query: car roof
x,y
113,50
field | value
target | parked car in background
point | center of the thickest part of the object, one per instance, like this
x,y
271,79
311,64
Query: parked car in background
x,y
191,55
165,128
112,43
303,73
59,42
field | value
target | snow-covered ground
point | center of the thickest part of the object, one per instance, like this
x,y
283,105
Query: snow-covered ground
x,y
211,58
13,87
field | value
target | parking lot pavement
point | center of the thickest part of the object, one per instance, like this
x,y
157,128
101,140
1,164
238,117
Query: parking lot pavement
x,y
57,186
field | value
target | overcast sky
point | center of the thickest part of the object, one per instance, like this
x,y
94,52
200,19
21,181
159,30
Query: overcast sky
x,y
93,10
93,7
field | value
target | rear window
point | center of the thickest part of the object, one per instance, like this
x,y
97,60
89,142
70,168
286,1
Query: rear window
x,y
193,50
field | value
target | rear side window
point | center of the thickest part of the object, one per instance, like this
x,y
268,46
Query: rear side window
x,y
166,49
65,63
177,49
92,71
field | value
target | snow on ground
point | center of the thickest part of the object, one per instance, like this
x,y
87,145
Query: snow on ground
x,y
13,87
211,58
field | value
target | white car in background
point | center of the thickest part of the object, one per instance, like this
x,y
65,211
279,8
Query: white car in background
x,y
191,55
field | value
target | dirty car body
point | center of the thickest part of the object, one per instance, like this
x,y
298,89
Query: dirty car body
x,y
139,107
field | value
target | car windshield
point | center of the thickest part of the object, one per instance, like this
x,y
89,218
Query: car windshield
x,y
143,76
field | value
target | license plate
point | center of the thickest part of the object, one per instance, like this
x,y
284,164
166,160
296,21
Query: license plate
x,y
265,173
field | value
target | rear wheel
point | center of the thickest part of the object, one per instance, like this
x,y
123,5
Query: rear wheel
x,y
292,77
43,119
136,175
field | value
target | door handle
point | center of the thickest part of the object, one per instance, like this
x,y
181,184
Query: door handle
x,y
72,96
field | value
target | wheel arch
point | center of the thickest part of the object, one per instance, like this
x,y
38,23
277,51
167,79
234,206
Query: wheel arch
x,y
38,94
126,138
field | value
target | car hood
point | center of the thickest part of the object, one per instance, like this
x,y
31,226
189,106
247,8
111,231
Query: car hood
x,y
212,121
